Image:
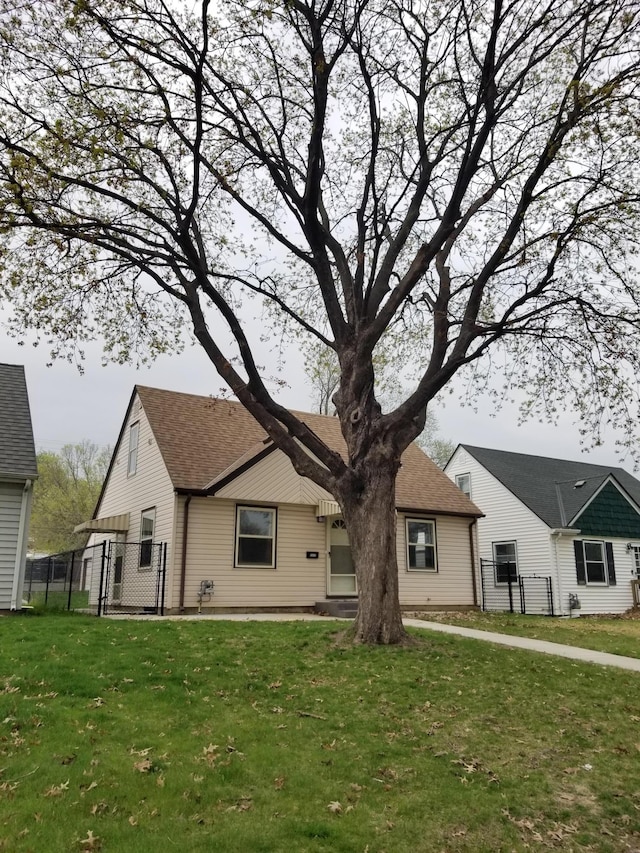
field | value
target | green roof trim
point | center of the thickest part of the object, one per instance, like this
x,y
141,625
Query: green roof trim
x,y
609,514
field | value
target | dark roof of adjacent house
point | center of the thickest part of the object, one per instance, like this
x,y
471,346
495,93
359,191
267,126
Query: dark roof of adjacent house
x,y
205,440
556,490
17,450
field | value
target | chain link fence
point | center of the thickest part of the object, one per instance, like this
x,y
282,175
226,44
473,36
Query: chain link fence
x,y
111,577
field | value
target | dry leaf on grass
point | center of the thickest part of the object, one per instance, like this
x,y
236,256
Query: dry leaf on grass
x,y
141,752
57,790
242,805
91,842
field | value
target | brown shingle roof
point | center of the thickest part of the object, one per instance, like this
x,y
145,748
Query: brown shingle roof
x,y
201,438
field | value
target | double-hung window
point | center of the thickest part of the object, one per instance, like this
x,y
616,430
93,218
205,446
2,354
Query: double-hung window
x,y
255,537
147,527
132,464
421,545
594,562
505,558
463,482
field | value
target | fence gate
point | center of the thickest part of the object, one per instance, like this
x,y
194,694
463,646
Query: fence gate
x,y
504,590
132,578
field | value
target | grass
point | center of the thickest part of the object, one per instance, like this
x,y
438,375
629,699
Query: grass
x,y
617,636
223,736
56,600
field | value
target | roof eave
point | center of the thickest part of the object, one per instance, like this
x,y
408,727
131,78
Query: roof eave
x,y
431,511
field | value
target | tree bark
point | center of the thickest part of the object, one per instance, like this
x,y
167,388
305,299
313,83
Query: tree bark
x,y
370,516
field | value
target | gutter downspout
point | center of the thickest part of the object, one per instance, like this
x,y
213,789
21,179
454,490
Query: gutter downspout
x,y
472,525
18,572
183,558
556,535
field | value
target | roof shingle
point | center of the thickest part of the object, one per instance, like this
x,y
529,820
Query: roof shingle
x,y
17,449
538,480
201,438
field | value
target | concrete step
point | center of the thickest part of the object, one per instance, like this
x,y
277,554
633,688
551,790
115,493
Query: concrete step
x,y
341,608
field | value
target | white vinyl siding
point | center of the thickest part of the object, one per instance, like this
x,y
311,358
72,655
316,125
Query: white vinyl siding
x,y
538,551
597,598
506,519
11,496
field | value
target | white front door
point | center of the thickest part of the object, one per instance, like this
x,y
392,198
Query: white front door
x,y
342,576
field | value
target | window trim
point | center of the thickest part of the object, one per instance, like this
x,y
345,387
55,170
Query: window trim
x,y
606,549
513,542
421,520
148,513
459,477
603,561
132,456
260,566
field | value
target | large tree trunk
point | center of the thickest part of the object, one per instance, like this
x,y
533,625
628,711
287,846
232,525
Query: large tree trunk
x,y
370,516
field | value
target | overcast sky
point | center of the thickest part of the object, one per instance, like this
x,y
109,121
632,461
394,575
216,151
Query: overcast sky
x,y
68,407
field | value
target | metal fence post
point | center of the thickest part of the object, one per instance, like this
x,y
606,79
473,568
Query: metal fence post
x,y
46,589
103,563
164,577
73,557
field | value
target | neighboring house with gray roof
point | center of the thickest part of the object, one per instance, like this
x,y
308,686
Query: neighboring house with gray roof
x,y
576,522
200,475
18,470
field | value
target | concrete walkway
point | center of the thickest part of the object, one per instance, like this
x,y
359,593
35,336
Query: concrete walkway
x,y
572,652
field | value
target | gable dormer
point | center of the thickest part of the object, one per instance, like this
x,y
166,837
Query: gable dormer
x,y
610,514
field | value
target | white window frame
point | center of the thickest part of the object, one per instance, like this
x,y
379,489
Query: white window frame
x,y
459,479
636,559
147,514
240,508
603,561
430,521
496,563
132,458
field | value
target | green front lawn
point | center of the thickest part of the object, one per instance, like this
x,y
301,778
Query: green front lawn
x,y
618,636
241,737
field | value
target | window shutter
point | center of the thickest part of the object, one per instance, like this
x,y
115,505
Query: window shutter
x,y
581,574
610,564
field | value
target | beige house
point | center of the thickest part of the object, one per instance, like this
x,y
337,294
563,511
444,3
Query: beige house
x,y
244,531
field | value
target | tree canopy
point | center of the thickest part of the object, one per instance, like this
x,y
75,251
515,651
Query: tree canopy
x,y
462,174
65,494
